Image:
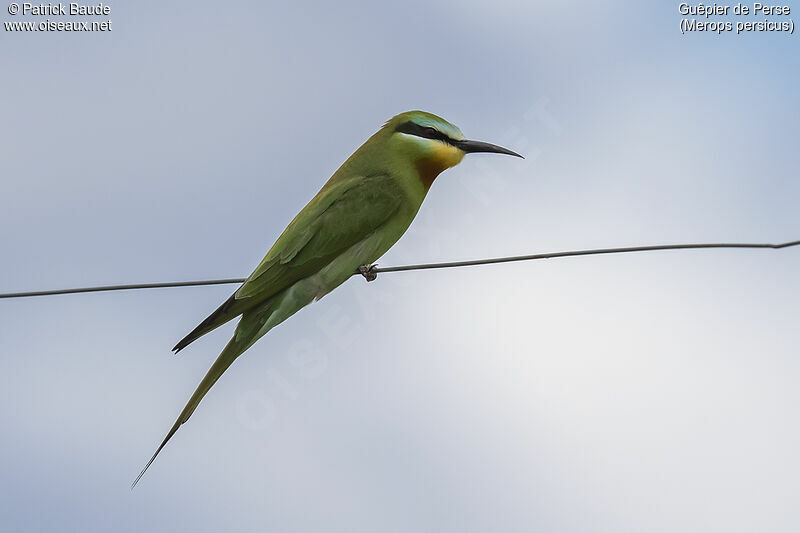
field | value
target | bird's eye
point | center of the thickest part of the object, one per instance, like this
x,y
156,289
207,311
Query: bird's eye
x,y
430,132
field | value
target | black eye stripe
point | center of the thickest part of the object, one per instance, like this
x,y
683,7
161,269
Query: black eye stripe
x,y
427,132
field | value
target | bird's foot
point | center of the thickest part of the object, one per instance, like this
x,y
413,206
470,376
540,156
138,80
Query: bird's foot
x,y
368,271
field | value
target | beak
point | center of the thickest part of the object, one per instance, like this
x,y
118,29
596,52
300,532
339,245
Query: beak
x,y
478,146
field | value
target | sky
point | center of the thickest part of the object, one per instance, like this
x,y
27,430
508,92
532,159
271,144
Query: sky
x,y
640,392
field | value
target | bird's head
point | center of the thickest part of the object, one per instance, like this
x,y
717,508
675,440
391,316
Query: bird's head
x,y
432,143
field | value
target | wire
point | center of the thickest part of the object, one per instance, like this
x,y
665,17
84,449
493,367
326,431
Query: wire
x,y
573,253
370,272
124,287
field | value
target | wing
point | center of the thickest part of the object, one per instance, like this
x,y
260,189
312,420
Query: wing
x,y
339,216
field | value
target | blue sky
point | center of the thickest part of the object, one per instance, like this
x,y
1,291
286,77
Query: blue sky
x,y
620,393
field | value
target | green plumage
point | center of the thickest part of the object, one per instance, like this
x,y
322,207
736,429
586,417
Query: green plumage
x,y
363,209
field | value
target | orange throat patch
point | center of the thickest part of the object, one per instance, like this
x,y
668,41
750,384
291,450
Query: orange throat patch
x,y
444,157
428,170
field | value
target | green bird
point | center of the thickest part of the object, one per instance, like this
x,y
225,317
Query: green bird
x,y
362,210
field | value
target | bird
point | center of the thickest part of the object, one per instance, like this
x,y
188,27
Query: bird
x,y
360,212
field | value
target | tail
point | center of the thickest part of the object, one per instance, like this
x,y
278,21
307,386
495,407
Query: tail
x,y
224,313
254,324
226,358
247,332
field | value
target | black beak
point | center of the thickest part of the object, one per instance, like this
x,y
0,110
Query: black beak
x,y
478,146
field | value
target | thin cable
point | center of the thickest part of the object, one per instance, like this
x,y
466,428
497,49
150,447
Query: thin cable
x,y
124,287
599,251
372,271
